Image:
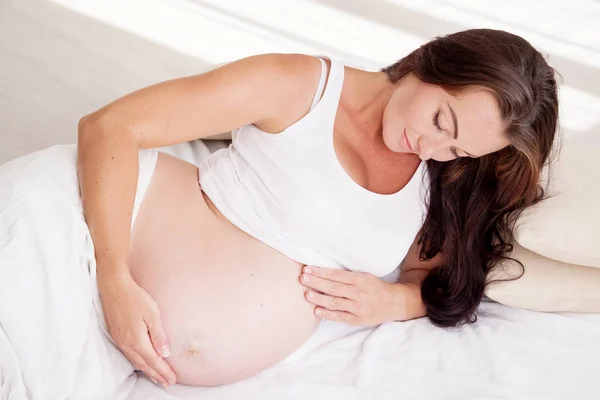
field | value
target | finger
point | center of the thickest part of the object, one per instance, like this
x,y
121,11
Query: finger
x,y
331,302
332,274
158,336
331,288
339,316
157,363
160,343
143,366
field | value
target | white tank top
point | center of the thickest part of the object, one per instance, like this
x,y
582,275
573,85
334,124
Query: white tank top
x,y
289,191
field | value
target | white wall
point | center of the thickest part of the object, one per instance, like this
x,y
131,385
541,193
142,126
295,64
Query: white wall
x,y
60,59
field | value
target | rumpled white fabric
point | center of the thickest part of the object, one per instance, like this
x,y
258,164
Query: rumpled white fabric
x,y
52,340
53,346
508,354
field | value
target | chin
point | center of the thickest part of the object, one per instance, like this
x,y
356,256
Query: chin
x,y
392,144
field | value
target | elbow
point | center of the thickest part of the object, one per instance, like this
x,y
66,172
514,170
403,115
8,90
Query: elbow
x,y
102,131
91,134
84,128
98,126
89,126
83,139
83,121
103,125
86,134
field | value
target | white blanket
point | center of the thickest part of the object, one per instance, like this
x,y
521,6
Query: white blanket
x,y
52,344
507,354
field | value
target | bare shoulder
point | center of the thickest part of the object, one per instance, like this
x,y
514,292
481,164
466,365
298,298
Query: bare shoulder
x,y
294,82
276,65
271,91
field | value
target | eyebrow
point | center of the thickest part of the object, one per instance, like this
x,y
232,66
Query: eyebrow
x,y
455,122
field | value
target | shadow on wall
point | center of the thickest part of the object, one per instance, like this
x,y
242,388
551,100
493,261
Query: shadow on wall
x,y
58,65
575,74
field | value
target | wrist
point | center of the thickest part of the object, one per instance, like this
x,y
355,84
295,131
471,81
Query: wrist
x,y
398,301
409,304
110,273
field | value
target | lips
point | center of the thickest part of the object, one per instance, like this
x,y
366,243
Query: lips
x,y
407,142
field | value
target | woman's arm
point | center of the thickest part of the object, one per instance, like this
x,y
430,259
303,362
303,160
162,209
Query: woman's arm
x,y
263,90
413,272
363,299
256,90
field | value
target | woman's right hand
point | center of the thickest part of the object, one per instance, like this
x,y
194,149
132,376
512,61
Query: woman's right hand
x,y
133,322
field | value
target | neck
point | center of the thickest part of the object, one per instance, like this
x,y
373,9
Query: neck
x,y
369,94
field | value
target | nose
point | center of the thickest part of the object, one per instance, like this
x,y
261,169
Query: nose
x,y
428,146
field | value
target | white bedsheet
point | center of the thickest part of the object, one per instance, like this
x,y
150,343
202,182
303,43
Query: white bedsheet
x,y
52,334
52,343
507,354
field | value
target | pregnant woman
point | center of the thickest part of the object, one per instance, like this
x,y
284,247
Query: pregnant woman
x,y
209,274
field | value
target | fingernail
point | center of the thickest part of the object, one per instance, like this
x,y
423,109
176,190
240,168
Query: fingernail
x,y
164,385
154,381
164,352
305,279
319,312
308,270
311,295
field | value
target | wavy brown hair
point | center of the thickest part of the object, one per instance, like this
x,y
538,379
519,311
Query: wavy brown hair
x,y
473,203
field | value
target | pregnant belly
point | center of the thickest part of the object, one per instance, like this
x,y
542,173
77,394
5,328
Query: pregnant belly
x,y
231,305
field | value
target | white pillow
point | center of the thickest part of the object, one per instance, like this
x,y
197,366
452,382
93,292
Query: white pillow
x,y
547,285
566,226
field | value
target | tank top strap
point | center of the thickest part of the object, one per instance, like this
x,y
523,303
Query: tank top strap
x,y
333,89
318,122
321,86
321,116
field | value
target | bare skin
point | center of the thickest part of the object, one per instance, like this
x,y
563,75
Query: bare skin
x,y
162,294
213,283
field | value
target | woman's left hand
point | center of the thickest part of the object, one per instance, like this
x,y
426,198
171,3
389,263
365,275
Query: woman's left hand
x,y
354,298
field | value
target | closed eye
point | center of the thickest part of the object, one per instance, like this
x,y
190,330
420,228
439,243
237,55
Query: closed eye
x,y
436,121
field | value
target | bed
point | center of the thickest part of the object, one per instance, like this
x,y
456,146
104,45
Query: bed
x,y
509,353
61,59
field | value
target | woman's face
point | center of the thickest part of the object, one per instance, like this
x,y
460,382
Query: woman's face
x,y
424,119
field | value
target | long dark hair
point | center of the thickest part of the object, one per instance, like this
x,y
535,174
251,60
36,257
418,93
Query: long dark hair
x,y
473,203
